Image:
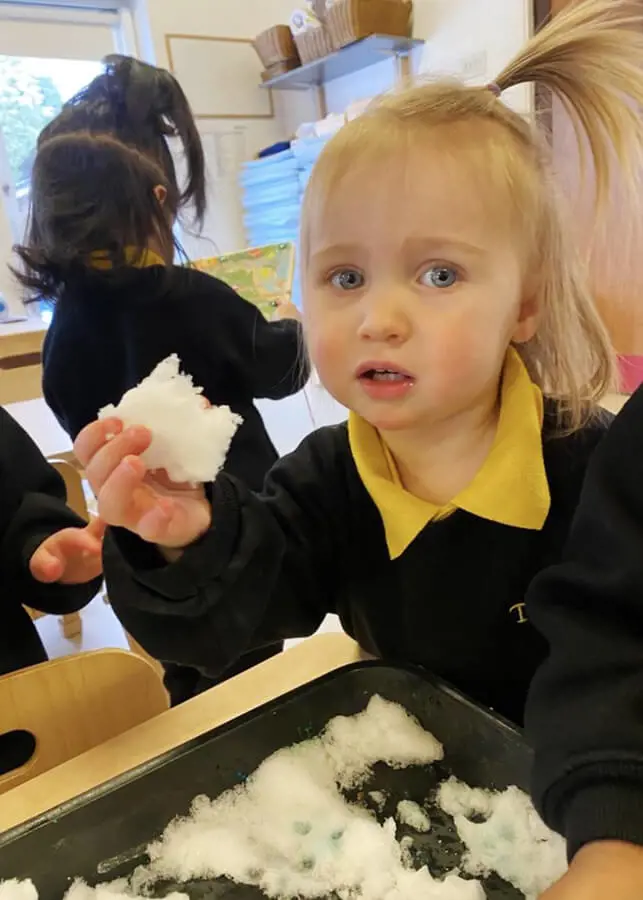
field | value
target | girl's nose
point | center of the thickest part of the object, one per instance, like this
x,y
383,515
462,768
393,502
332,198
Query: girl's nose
x,y
384,320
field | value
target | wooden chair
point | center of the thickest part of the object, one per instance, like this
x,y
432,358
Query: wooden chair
x,y
71,623
75,703
76,499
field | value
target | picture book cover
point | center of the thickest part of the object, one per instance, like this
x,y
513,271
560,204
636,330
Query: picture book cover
x,y
261,275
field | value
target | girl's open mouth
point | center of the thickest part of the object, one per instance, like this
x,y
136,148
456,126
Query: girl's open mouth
x,y
385,382
385,375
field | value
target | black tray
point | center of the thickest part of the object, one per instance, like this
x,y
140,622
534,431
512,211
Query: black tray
x,y
101,835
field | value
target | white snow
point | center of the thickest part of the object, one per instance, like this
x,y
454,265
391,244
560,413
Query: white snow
x,y
13,889
112,890
411,813
190,440
289,830
512,840
379,799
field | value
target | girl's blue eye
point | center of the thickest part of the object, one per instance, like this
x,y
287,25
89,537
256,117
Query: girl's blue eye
x,y
347,280
439,277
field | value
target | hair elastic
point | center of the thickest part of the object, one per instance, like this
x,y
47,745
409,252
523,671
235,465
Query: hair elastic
x,y
495,89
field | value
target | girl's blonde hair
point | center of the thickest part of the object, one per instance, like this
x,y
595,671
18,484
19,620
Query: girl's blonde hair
x,y
590,57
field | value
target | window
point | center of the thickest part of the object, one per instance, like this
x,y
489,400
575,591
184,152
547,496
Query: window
x,y
47,53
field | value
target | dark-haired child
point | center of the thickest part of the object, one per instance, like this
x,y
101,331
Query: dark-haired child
x,y
105,200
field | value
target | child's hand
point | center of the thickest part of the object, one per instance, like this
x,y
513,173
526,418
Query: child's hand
x,y
70,556
284,309
602,871
148,504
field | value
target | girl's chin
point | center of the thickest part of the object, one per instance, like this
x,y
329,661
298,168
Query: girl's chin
x,y
390,421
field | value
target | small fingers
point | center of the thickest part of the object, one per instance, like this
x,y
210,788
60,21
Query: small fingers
x,y
96,528
93,437
45,567
131,442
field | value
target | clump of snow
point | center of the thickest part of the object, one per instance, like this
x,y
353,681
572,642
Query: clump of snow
x,y
112,890
383,732
289,831
378,798
458,799
13,889
407,845
512,840
189,439
411,813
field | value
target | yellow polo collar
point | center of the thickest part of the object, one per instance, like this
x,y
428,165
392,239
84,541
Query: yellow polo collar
x,y
100,259
511,487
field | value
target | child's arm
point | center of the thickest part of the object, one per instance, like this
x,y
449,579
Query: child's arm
x,y
585,713
47,554
258,569
269,357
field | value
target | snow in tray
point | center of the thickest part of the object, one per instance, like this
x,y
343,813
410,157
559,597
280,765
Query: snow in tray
x,y
290,830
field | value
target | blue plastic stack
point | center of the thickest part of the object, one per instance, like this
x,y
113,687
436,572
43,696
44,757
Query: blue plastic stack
x,y
273,189
306,151
271,199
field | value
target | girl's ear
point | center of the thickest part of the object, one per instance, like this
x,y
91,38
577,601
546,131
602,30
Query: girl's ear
x,y
528,317
160,192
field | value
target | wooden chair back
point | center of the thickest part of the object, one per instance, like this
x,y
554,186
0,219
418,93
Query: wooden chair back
x,y
72,704
76,499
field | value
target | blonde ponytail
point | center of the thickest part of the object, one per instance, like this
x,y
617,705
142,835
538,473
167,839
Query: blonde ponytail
x,y
590,56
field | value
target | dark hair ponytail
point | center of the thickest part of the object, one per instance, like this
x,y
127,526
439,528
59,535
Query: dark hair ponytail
x,y
142,106
95,207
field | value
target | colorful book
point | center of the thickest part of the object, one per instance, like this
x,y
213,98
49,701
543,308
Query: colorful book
x,y
261,275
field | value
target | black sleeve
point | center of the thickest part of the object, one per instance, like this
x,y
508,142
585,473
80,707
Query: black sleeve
x,y
266,570
585,710
269,357
32,507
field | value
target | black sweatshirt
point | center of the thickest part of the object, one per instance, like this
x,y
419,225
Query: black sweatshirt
x,y
107,335
32,507
585,710
272,566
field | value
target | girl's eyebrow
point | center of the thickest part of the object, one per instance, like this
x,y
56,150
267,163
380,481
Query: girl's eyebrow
x,y
338,251
416,245
435,244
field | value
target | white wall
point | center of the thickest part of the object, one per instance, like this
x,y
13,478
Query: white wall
x,y
467,38
216,18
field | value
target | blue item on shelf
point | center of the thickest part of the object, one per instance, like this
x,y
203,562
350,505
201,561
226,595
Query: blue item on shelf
x,y
275,148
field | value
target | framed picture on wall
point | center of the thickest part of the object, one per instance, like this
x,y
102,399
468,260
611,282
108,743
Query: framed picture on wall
x,y
220,76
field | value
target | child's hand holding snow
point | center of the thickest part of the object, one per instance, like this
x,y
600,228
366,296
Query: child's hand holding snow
x,y
144,457
148,504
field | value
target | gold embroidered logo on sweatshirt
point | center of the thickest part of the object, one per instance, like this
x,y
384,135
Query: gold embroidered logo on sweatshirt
x,y
519,609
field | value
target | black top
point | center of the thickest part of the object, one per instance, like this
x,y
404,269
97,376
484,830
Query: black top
x,y
106,336
313,543
585,712
32,507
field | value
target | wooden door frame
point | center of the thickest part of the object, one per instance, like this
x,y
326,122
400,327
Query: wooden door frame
x,y
542,10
